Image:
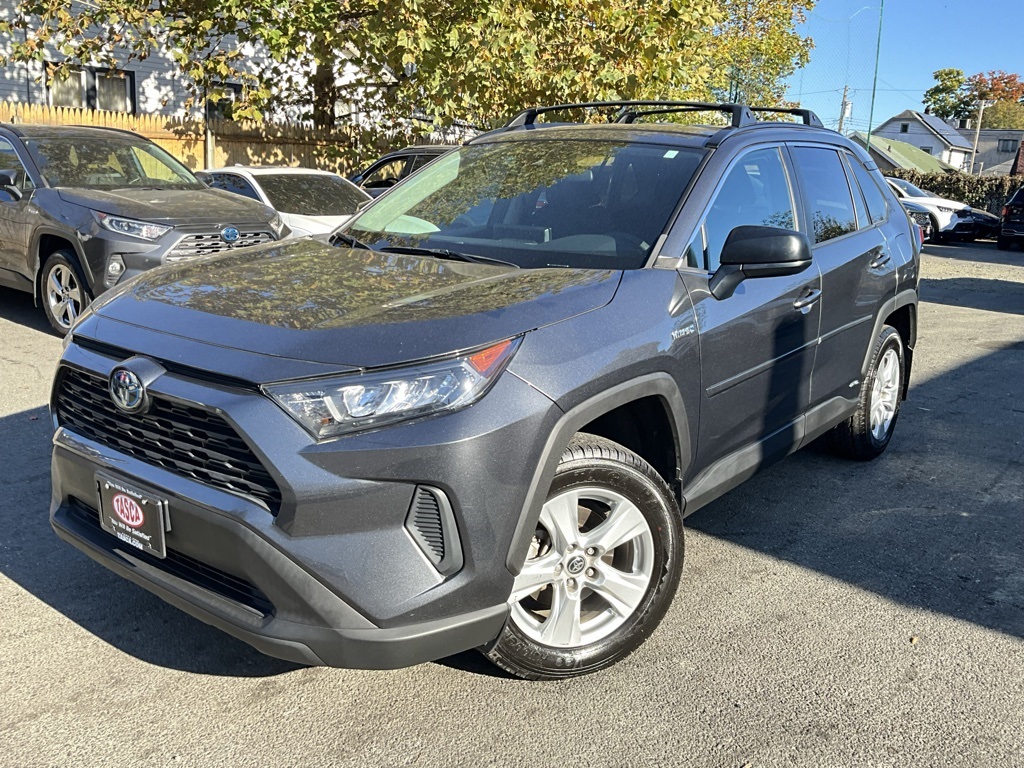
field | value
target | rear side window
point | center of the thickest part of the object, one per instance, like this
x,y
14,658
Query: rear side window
x,y
230,182
755,192
872,193
826,192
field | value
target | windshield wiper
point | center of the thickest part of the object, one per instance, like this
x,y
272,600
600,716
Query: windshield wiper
x,y
444,253
351,242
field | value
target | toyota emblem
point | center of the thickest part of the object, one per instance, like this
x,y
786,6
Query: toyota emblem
x,y
229,235
127,391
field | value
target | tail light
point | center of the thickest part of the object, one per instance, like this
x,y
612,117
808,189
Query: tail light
x,y
1006,211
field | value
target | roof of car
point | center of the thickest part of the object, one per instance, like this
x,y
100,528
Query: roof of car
x,y
29,130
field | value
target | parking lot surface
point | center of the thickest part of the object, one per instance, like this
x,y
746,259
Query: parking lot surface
x,y
830,613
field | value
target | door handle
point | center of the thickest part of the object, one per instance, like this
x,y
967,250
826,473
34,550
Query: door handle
x,y
808,300
880,260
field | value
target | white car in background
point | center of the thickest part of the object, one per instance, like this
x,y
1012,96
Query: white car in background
x,y
310,202
948,216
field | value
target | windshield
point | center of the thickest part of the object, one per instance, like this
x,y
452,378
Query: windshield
x,y
539,203
910,189
101,162
311,194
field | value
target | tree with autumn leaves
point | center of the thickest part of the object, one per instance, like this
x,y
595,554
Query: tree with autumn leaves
x,y
477,61
955,95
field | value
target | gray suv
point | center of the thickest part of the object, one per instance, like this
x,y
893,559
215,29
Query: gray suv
x,y
478,416
83,209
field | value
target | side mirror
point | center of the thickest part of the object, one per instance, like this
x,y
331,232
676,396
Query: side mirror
x,y
8,185
759,252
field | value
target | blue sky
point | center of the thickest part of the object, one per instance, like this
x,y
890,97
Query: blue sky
x,y
918,37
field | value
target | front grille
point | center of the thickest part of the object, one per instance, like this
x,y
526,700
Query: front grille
x,y
209,243
184,567
921,219
187,440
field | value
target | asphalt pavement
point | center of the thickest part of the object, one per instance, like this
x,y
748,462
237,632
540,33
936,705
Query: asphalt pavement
x,y
830,614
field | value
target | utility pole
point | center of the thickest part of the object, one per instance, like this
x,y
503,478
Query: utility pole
x,y
977,131
874,82
844,108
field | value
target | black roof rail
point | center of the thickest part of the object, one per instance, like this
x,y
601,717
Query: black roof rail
x,y
739,114
806,115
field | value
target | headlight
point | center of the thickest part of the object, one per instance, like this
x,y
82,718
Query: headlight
x,y
123,226
944,209
277,225
350,403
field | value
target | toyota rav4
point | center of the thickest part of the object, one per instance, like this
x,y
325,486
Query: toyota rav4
x,y
477,417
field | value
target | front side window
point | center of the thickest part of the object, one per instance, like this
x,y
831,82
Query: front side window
x,y
826,192
311,194
386,175
545,202
755,192
11,164
232,182
102,162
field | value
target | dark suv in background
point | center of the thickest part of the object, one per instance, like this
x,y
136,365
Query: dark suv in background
x,y
478,419
82,209
1011,228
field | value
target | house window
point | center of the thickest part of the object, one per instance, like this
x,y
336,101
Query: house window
x,y
927,149
221,101
904,127
1008,145
102,89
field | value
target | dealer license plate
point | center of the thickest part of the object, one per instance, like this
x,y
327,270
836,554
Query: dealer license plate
x,y
136,517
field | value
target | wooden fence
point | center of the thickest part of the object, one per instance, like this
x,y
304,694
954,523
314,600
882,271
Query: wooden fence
x,y
241,143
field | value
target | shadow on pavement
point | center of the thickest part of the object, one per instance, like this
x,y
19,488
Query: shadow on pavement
x,y
116,611
18,307
975,293
934,523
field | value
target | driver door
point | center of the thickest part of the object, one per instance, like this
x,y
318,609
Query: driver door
x,y
757,346
17,218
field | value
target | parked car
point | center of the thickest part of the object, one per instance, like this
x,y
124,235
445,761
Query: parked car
x,y
949,217
983,225
920,215
1012,221
311,202
486,435
83,209
395,166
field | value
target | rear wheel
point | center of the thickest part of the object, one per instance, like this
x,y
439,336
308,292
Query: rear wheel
x,y
1003,243
602,567
62,291
866,434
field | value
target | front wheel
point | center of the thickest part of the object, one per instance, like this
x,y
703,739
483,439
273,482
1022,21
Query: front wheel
x,y
866,434
62,291
602,568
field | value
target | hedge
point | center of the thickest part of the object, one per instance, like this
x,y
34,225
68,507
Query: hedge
x,y
988,193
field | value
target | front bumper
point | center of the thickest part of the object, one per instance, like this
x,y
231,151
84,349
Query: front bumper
x,y
335,576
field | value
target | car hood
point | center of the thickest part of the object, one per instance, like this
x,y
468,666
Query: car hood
x,y
314,225
171,206
307,300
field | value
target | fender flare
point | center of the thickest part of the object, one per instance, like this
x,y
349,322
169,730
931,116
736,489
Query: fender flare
x,y
37,263
900,300
660,384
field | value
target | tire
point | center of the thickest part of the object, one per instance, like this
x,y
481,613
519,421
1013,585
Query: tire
x,y
62,291
609,544
937,235
866,434
1003,243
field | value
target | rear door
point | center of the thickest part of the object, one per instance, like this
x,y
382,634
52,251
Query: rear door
x,y
757,346
858,272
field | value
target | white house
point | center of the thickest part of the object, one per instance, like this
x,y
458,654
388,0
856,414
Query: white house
x,y
929,134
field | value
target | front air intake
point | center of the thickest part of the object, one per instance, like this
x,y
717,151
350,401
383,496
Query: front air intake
x,y
431,524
